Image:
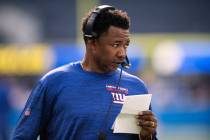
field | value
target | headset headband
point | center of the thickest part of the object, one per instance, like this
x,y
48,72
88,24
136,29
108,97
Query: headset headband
x,y
90,23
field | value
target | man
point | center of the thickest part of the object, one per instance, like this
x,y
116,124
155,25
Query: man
x,y
81,100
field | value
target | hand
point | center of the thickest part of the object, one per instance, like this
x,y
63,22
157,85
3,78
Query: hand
x,y
148,124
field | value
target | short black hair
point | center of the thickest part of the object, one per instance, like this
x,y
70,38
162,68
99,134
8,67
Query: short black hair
x,y
105,19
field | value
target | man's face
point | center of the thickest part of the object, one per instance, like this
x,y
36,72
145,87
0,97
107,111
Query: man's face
x,y
111,49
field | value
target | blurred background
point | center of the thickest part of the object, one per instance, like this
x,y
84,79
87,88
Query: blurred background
x,y
170,51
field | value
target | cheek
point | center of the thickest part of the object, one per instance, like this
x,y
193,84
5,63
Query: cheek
x,y
108,55
109,52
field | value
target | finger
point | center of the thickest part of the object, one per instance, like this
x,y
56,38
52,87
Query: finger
x,y
142,113
149,124
147,118
148,129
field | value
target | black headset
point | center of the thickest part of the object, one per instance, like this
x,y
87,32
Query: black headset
x,y
89,33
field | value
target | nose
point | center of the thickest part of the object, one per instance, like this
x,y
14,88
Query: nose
x,y
121,53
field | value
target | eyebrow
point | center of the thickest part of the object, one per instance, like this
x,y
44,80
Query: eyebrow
x,y
117,41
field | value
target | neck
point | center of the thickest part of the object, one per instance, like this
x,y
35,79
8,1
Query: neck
x,y
88,64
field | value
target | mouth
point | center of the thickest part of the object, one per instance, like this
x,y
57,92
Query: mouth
x,y
115,65
119,62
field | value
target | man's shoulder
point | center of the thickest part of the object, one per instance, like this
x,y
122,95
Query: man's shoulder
x,y
135,82
133,78
60,72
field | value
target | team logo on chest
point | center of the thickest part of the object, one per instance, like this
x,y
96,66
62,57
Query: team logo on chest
x,y
118,93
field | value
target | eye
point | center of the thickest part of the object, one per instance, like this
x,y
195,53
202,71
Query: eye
x,y
126,45
116,45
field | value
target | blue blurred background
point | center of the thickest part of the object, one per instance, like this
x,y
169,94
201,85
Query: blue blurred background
x,y
170,51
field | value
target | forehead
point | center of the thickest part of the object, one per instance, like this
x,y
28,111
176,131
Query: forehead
x,y
116,34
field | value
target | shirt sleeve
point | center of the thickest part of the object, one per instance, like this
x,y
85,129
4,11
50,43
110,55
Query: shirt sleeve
x,y
34,116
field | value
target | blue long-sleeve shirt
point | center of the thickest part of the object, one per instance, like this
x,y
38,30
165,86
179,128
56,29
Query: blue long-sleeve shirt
x,y
69,103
